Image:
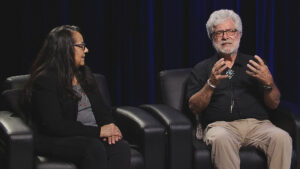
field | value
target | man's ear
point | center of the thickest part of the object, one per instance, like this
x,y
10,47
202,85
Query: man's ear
x,y
240,34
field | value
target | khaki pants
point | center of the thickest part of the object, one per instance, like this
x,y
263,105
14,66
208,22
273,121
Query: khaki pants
x,y
226,138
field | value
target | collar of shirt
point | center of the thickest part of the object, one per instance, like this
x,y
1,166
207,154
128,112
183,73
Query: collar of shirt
x,y
241,59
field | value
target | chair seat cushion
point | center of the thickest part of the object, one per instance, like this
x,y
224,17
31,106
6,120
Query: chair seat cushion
x,y
251,157
48,163
201,155
137,162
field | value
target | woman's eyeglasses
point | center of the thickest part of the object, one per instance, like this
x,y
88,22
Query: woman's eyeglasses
x,y
81,45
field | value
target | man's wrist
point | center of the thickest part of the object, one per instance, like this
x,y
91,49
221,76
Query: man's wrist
x,y
210,84
267,87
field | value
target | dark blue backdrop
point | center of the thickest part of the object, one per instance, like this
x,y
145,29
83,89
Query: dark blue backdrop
x,y
130,41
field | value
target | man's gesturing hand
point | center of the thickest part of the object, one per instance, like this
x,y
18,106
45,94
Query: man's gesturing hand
x,y
260,71
216,72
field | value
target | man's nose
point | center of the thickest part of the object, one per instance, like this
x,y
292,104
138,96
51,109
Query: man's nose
x,y
224,35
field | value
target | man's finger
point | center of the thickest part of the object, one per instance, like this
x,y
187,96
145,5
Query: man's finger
x,y
254,64
219,61
222,76
222,69
251,73
260,61
219,66
253,69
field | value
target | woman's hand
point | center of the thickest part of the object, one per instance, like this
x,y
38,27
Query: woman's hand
x,y
111,133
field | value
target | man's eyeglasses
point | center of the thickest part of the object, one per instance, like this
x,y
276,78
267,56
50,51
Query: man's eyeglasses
x,y
81,45
229,32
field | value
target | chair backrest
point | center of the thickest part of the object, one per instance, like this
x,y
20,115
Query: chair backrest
x,y
15,84
102,86
172,84
13,87
12,98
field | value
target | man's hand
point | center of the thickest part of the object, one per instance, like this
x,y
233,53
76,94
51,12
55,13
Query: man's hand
x,y
111,133
216,72
260,71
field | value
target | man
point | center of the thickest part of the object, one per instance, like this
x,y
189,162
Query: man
x,y
232,93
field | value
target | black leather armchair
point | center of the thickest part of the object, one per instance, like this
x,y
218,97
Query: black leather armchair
x,y
180,126
144,133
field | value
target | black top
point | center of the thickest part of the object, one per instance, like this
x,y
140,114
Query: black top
x,y
240,97
57,117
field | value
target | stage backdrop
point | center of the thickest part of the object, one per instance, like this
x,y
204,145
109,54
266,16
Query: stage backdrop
x,y
130,41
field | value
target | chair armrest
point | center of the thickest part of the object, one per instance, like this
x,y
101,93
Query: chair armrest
x,y
286,118
297,140
17,141
179,130
144,131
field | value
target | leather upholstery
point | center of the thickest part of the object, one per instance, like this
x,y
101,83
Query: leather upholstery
x,y
146,136
16,82
172,90
179,135
173,86
144,133
17,139
47,163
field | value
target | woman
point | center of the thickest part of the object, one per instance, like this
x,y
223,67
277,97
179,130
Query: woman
x,y
71,119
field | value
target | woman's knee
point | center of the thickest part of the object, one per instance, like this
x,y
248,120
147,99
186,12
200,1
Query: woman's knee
x,y
94,154
119,155
120,147
95,148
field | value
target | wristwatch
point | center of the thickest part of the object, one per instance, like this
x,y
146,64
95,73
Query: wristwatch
x,y
267,87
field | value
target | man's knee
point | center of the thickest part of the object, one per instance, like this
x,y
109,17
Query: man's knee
x,y
218,136
281,136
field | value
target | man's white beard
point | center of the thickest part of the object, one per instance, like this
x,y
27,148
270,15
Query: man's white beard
x,y
227,51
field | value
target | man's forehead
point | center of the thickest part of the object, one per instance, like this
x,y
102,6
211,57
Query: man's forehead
x,y
227,24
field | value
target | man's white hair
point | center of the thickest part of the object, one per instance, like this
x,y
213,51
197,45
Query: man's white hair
x,y
219,16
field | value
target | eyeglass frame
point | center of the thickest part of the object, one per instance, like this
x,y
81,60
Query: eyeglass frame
x,y
229,32
81,45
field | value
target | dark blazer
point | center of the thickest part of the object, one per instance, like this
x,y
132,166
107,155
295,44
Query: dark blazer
x,y
56,116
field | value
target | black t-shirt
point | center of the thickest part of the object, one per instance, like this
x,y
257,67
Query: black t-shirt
x,y
240,97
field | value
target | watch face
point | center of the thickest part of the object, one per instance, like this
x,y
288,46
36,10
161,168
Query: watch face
x,y
267,87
